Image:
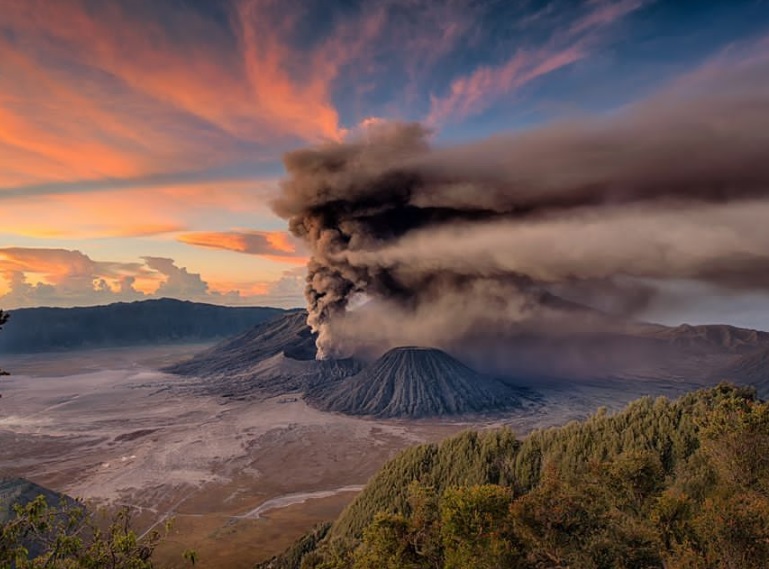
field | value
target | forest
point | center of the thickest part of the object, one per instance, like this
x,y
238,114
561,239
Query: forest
x,y
662,484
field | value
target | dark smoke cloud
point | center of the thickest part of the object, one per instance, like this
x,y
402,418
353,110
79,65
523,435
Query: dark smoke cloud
x,y
449,239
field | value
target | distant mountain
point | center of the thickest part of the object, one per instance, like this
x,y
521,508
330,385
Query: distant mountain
x,y
126,324
414,382
709,337
629,350
752,369
277,357
272,358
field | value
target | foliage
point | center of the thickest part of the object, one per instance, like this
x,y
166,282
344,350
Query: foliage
x,y
68,537
476,528
3,319
662,484
293,557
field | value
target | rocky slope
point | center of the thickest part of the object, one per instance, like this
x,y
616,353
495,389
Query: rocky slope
x,y
289,335
273,358
277,357
414,382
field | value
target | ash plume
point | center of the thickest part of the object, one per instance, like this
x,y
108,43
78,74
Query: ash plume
x,y
447,241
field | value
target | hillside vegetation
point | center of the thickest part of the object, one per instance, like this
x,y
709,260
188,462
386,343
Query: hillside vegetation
x,y
682,484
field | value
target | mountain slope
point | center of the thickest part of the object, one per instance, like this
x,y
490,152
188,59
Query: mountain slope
x,y
289,335
278,357
752,368
706,338
414,382
126,324
273,358
660,484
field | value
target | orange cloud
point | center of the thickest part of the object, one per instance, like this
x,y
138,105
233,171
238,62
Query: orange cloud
x,y
147,210
299,106
129,88
56,128
107,90
33,277
195,73
273,245
63,277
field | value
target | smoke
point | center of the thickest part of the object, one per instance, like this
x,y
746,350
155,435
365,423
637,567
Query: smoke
x,y
450,241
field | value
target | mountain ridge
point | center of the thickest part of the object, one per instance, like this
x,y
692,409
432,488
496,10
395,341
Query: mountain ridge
x,y
164,320
277,357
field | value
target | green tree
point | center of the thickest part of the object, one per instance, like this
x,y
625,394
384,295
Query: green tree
x,y
579,522
387,544
425,524
681,485
3,319
43,537
477,530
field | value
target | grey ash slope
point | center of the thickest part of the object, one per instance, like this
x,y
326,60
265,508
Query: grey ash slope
x,y
414,382
277,357
288,334
273,358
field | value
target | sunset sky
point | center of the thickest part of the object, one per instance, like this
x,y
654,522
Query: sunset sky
x,y
141,140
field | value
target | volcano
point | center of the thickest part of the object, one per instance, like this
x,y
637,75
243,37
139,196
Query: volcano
x,y
414,382
273,358
278,357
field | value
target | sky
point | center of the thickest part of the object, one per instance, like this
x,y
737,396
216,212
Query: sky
x,y
141,140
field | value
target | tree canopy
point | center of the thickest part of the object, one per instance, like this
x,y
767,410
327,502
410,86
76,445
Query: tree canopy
x,y
663,484
69,536
3,319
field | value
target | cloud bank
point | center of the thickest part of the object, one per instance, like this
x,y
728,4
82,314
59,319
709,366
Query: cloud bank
x,y
62,277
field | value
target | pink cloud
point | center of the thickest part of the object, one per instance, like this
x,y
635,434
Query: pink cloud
x,y
274,245
473,93
144,210
606,13
91,91
64,277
